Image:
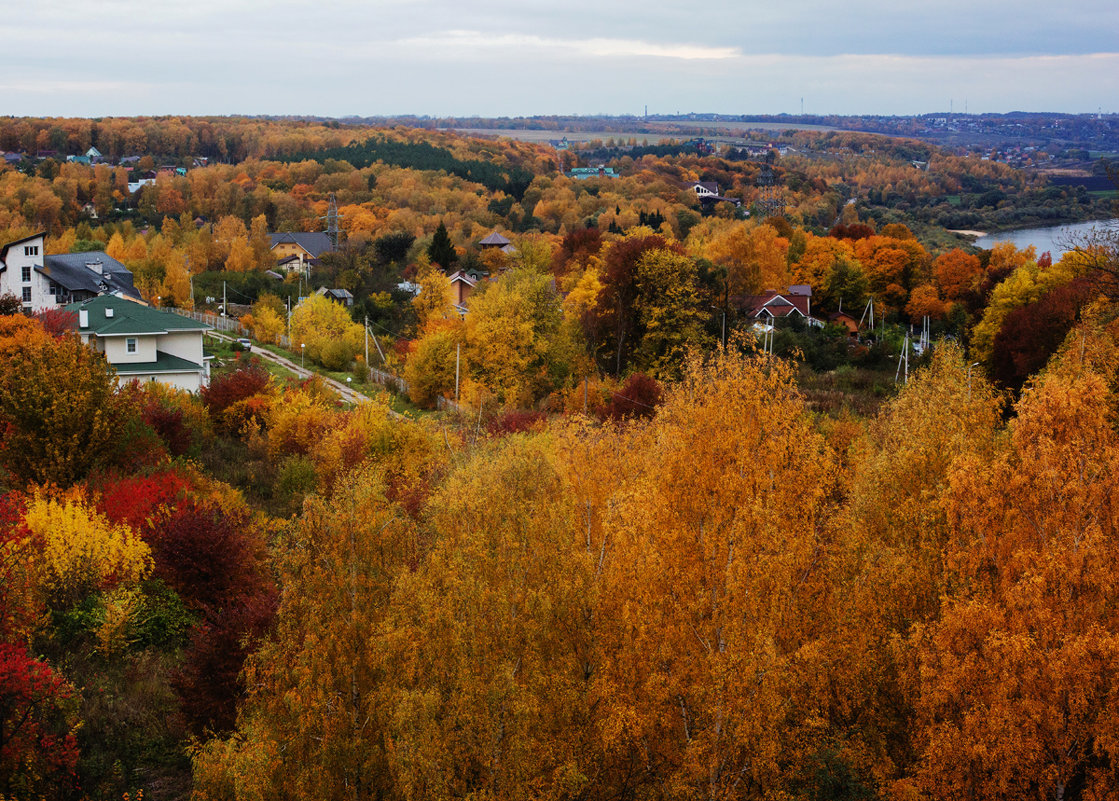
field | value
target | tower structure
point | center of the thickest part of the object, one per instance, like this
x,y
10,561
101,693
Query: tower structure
x,y
769,201
333,221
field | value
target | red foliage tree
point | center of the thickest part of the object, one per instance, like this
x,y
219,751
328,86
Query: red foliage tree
x,y
38,750
1032,333
137,501
576,247
216,563
225,390
613,323
852,231
57,322
638,397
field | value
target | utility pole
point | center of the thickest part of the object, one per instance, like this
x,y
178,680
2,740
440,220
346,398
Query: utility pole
x,y
366,330
458,353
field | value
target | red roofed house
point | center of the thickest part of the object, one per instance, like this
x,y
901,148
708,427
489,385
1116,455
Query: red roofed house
x,y
772,305
462,285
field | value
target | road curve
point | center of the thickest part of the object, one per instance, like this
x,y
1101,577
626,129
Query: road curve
x,y
343,391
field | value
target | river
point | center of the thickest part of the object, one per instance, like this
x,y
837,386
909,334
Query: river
x,y
1057,239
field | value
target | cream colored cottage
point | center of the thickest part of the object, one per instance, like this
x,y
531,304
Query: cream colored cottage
x,y
142,343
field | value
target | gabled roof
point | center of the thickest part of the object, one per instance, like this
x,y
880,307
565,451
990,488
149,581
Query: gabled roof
x,y
464,278
4,250
314,243
337,294
130,318
775,304
79,272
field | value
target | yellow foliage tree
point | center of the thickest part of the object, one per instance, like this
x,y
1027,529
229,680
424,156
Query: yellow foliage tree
x,y
81,551
1018,678
754,256
320,323
713,584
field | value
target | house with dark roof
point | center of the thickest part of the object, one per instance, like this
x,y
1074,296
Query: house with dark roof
x,y
496,241
47,282
142,343
708,192
306,247
342,296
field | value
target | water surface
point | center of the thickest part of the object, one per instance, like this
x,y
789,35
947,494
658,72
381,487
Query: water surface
x,y
1057,239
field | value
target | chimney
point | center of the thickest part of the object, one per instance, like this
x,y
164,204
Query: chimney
x,y
83,318
108,311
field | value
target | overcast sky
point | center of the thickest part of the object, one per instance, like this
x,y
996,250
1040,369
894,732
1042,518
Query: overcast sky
x,y
506,58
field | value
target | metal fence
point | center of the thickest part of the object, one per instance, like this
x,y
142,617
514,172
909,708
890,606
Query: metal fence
x,y
227,324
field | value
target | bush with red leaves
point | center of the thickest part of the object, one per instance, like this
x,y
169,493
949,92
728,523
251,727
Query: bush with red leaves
x,y
638,397
1032,333
57,322
516,421
216,563
38,750
168,423
852,231
225,390
137,501
209,682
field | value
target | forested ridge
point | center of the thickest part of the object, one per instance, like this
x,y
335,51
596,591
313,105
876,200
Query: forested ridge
x,y
651,554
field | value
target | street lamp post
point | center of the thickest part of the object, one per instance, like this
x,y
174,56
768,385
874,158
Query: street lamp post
x,y
969,368
302,350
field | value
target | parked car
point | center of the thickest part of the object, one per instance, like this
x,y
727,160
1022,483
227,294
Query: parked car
x,y
245,344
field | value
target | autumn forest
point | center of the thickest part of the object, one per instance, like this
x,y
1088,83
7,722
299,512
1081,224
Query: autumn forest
x,y
597,531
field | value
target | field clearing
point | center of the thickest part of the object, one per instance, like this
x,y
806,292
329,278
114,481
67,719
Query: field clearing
x,y
572,136
655,133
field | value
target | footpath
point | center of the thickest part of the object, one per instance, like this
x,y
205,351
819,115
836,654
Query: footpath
x,y
345,392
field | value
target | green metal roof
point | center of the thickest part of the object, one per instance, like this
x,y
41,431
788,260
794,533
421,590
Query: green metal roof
x,y
130,318
164,363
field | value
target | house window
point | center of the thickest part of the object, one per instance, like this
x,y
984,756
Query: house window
x,y
130,344
31,250
27,294
25,274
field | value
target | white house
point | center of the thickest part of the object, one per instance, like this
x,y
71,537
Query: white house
x,y
48,282
142,343
21,273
